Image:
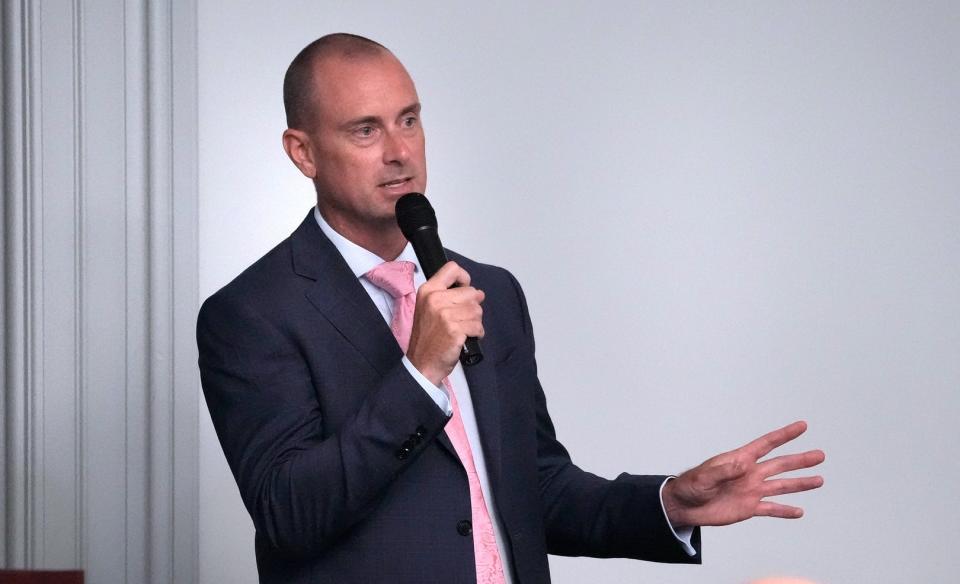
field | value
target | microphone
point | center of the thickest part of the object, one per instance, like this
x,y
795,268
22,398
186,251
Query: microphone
x,y
418,222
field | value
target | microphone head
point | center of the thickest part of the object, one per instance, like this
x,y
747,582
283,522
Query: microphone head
x,y
414,213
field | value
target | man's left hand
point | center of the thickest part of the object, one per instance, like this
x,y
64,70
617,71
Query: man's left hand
x,y
733,486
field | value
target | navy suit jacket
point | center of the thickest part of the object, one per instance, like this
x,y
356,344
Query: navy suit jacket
x,y
312,406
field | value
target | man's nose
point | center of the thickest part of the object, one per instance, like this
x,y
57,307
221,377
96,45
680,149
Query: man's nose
x,y
395,149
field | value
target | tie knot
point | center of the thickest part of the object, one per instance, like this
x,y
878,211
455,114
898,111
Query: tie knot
x,y
395,277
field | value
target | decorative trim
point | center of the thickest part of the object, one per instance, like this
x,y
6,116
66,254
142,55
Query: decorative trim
x,y
185,393
159,285
130,236
19,153
3,280
36,487
137,294
78,282
14,258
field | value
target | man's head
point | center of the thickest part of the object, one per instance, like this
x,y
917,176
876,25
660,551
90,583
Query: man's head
x,y
354,129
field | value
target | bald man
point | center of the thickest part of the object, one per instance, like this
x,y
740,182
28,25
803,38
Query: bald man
x,y
363,450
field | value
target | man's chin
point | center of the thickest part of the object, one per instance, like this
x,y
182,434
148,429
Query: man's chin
x,y
385,220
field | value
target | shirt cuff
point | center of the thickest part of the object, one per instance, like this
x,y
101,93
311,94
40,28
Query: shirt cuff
x,y
684,535
437,394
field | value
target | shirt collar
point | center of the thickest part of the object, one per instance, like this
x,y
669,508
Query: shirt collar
x,y
359,259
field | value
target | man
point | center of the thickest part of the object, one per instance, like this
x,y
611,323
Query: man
x,y
363,451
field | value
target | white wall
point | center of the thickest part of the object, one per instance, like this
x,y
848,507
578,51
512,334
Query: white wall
x,y
754,208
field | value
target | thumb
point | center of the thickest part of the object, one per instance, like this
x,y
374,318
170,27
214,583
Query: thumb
x,y
448,275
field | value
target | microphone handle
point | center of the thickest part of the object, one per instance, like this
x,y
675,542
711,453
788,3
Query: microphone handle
x,y
429,250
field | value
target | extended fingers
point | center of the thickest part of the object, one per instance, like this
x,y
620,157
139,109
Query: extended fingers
x,y
764,444
771,509
788,462
787,486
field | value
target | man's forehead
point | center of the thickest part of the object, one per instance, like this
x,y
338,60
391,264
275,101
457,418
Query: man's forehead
x,y
362,78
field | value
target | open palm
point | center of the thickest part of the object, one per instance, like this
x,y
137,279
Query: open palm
x,y
733,486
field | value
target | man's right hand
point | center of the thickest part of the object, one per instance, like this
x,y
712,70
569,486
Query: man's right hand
x,y
443,320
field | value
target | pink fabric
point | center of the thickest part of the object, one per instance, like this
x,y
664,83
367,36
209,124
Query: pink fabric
x,y
489,567
397,279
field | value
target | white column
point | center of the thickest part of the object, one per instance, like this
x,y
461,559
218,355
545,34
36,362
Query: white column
x,y
99,281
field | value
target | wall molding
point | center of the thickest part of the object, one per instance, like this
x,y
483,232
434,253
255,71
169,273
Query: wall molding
x,y
99,174
20,311
78,284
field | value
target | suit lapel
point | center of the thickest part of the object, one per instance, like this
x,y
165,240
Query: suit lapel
x,y
486,406
339,295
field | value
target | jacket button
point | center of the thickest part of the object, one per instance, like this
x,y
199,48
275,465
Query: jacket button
x,y
402,453
408,444
421,431
464,527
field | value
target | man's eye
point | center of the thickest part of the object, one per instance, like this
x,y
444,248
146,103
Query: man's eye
x,y
364,131
410,121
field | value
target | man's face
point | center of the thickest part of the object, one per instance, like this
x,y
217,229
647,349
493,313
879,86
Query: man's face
x,y
367,142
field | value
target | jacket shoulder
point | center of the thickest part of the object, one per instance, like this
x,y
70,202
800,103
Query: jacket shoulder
x,y
504,296
265,282
487,274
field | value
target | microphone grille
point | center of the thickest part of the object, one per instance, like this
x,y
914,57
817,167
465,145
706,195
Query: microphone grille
x,y
414,212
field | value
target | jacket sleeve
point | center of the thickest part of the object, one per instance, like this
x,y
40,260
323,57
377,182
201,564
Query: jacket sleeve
x,y
301,488
587,515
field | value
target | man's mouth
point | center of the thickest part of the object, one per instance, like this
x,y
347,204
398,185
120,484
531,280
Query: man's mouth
x,y
399,182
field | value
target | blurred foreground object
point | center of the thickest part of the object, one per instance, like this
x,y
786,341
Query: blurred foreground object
x,y
41,576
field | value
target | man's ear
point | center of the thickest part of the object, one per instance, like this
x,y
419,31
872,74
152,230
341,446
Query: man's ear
x,y
297,145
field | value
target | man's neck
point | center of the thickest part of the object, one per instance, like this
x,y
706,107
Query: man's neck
x,y
386,241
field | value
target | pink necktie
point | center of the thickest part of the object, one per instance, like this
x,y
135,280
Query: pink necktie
x,y
397,279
